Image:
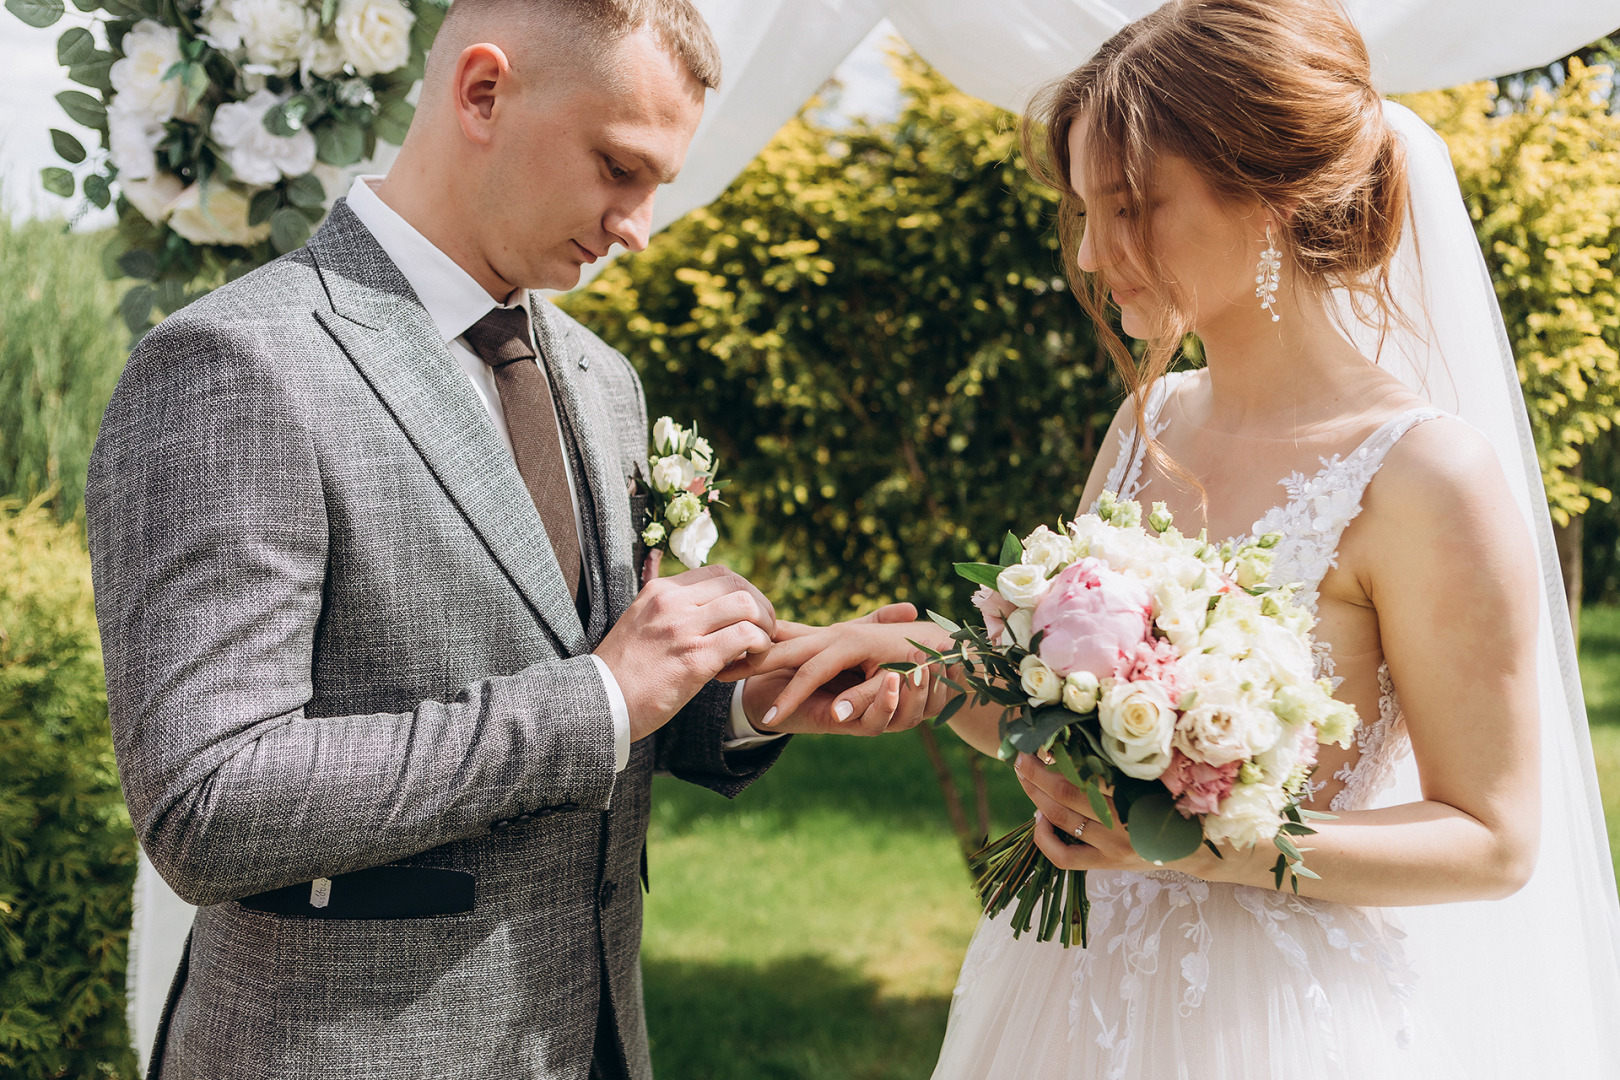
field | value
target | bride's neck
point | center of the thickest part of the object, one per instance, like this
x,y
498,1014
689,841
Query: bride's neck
x,y
1265,376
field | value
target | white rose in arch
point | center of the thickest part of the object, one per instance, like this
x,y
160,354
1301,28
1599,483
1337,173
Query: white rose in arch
x,y
272,34
255,155
215,215
375,35
132,137
154,198
150,50
691,543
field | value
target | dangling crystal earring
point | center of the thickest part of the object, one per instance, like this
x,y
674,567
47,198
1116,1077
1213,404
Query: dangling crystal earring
x,y
1265,281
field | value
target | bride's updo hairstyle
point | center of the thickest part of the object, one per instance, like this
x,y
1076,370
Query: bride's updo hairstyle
x,y
1271,102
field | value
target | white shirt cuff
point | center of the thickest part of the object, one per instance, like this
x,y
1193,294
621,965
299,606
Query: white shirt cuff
x,y
621,715
740,734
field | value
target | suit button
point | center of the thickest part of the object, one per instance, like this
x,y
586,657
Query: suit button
x,y
605,897
500,826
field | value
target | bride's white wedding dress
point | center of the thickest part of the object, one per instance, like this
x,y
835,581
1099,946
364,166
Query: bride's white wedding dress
x,y
1185,978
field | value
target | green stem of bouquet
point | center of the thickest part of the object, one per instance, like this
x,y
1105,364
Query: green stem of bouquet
x,y
1013,868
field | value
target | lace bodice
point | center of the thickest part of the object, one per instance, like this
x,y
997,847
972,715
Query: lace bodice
x,y
1311,521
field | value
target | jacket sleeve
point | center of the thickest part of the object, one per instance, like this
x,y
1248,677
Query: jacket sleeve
x,y
208,539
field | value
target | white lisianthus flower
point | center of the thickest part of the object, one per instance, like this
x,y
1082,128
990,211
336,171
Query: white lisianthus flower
x,y
1047,549
1223,637
653,534
691,543
153,198
254,154
1024,584
150,50
1219,734
1041,684
673,473
1251,814
1138,723
132,136
1082,531
274,35
1212,677
1020,628
1180,615
214,215
1338,724
1285,654
1127,514
1298,705
683,509
702,455
666,434
1080,691
1253,567
375,35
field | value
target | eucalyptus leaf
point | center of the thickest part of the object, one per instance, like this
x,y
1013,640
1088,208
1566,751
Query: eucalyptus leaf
x,y
1099,805
38,13
95,72
1158,831
139,263
76,46
979,573
263,204
952,707
97,191
288,230
340,144
943,623
67,147
394,120
57,181
83,109
306,191
136,308
1031,732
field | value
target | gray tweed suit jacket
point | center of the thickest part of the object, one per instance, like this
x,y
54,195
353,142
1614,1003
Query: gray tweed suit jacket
x,y
336,637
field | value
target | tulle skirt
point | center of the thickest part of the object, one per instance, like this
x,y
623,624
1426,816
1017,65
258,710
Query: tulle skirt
x,y
1185,979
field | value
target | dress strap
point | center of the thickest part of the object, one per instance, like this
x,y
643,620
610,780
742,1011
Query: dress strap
x,y
1125,477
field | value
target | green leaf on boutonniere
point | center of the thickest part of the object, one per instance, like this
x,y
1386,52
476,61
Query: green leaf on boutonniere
x,y
97,191
38,13
57,181
1012,550
1158,831
83,109
979,573
67,147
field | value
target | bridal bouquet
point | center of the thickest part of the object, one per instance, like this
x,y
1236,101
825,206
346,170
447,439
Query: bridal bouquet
x,y
1163,669
683,488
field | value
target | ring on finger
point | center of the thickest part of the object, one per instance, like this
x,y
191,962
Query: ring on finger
x,y
1080,829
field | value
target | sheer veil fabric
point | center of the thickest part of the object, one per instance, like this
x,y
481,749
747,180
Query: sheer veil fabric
x,y
1531,983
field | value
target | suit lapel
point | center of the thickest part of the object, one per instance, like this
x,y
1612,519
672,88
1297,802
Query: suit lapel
x,y
380,324
578,391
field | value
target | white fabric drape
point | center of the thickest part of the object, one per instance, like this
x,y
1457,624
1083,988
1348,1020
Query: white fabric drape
x,y
778,52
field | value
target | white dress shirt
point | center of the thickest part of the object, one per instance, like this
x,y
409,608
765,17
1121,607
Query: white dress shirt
x,y
455,301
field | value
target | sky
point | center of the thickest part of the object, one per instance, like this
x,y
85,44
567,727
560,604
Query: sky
x,y
30,79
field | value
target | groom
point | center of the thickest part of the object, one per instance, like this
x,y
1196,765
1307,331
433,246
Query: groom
x,y
386,698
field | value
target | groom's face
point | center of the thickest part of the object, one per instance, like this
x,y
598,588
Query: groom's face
x,y
579,159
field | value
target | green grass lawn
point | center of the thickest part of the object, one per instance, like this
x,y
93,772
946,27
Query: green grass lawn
x,y
812,928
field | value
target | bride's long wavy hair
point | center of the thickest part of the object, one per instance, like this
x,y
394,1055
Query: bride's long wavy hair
x,y
1272,102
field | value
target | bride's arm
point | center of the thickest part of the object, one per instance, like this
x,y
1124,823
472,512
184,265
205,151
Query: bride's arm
x,y
1442,555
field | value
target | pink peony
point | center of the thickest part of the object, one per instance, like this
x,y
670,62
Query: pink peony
x,y
1154,660
1090,617
995,608
1198,788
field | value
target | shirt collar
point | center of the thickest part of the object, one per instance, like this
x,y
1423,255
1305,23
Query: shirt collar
x,y
453,299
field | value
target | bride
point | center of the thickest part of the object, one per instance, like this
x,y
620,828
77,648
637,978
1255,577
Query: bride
x,y
1228,171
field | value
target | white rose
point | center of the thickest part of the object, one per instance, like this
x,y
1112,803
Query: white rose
x,y
1223,638
1180,615
1285,654
1041,684
217,215
1252,813
1138,723
322,56
691,543
1047,549
1218,734
150,50
1212,678
1080,690
1024,584
375,35
153,198
667,434
673,473
255,155
132,136
1020,628
274,35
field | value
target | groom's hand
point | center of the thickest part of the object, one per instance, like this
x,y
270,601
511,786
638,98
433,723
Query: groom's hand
x,y
679,634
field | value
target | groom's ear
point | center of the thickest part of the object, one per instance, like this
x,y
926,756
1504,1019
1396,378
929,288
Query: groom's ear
x,y
482,77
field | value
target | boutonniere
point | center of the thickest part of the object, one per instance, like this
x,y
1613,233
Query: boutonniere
x,y
684,490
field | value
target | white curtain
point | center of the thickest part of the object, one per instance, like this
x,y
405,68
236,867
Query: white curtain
x,y
778,52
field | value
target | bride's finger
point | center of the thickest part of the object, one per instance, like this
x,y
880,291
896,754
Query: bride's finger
x,y
882,701
783,655
1033,774
1067,819
1064,856
812,675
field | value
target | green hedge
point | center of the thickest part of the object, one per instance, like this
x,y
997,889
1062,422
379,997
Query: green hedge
x,y
67,853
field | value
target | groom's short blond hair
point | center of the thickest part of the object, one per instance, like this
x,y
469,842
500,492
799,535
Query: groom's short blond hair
x,y
594,28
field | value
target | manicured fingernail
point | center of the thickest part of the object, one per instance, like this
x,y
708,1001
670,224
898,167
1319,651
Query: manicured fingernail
x,y
916,676
770,715
842,711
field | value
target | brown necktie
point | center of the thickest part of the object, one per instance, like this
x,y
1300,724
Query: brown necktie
x,y
501,340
